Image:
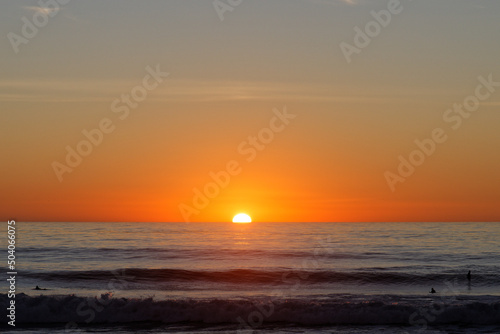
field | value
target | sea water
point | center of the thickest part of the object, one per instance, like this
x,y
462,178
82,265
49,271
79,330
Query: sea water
x,y
259,277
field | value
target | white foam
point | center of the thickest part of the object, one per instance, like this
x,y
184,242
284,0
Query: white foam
x,y
377,311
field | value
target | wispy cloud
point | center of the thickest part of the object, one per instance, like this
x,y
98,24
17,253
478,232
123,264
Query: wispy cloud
x,y
72,17
336,2
42,10
102,90
52,11
349,2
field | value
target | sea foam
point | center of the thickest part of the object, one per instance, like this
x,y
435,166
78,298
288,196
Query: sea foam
x,y
340,311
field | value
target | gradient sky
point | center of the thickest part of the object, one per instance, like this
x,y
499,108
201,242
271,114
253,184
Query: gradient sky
x,y
353,120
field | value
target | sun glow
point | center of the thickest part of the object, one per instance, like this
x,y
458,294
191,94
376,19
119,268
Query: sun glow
x,y
242,218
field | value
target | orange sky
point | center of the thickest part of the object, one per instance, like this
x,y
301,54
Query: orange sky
x,y
226,82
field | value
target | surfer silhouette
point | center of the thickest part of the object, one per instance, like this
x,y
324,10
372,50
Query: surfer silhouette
x,y
38,288
432,290
469,278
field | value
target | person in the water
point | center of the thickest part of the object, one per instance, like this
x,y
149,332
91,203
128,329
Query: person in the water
x,y
432,291
469,276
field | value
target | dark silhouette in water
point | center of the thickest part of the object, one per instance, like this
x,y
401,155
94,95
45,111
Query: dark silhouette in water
x,y
469,276
432,291
38,288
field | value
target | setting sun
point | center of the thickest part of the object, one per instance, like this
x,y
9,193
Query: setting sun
x,y
242,218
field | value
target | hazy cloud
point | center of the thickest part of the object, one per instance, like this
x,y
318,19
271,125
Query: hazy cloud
x,y
43,10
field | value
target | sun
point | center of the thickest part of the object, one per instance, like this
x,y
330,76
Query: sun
x,y
242,218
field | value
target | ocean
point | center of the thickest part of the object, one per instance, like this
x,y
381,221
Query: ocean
x,y
255,278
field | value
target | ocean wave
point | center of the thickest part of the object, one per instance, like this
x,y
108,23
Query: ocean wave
x,y
199,253
249,312
255,276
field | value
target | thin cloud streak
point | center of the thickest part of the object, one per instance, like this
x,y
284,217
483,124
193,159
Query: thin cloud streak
x,y
336,2
42,10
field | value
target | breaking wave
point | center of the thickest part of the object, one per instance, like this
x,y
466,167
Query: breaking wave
x,y
253,276
255,311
